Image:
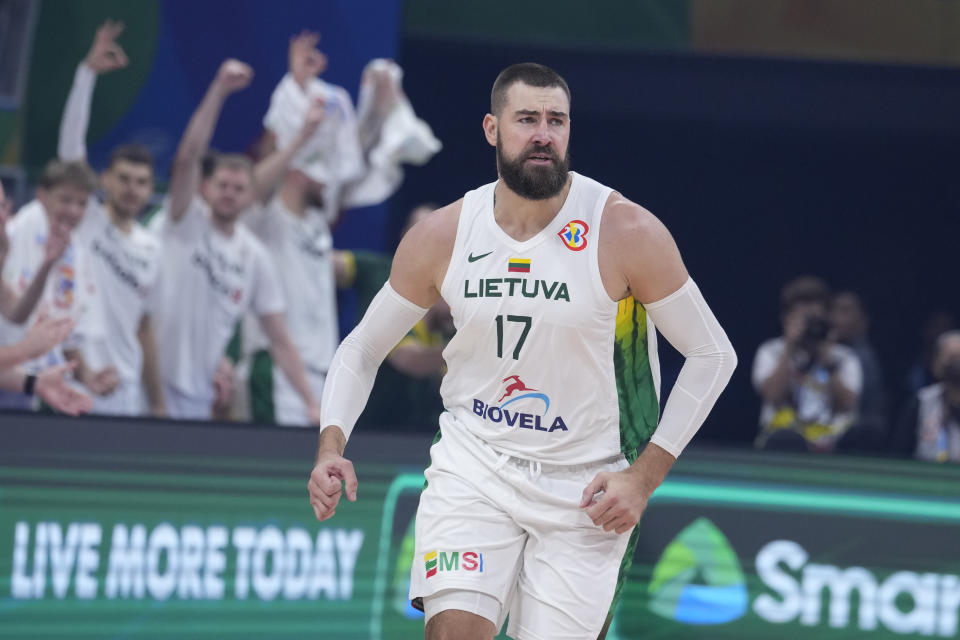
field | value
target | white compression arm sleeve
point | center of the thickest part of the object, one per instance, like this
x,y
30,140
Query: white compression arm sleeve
x,y
72,145
687,323
354,368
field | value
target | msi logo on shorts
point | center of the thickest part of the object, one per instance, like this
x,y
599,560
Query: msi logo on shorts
x,y
435,561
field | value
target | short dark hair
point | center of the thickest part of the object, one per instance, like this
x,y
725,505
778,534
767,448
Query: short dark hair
x,y
529,73
802,290
76,174
132,153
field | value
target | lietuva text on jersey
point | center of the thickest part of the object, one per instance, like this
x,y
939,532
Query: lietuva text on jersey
x,y
511,287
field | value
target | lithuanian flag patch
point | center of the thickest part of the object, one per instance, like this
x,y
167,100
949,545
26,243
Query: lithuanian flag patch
x,y
518,265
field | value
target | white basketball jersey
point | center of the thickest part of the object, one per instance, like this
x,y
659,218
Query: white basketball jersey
x,y
544,365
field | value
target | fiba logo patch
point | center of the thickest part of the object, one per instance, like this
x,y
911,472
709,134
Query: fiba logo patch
x,y
517,391
574,235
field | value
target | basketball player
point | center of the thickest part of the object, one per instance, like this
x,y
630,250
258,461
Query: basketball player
x,y
214,269
555,283
124,257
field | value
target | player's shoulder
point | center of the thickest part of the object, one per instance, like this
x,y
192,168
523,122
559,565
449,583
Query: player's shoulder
x,y
625,220
29,217
436,230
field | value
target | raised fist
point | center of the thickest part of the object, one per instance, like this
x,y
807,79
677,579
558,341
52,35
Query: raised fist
x,y
234,75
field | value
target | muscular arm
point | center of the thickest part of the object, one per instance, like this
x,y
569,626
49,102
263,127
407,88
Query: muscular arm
x,y
644,260
638,257
418,270
232,76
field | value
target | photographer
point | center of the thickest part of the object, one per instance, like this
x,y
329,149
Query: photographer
x,y
929,428
810,385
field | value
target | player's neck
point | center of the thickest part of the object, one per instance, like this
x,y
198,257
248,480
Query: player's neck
x,y
522,218
223,226
294,200
122,223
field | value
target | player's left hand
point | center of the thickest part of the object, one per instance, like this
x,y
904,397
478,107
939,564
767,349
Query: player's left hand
x,y
623,500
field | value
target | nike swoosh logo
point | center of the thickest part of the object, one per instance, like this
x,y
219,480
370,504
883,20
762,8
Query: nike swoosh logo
x,y
473,258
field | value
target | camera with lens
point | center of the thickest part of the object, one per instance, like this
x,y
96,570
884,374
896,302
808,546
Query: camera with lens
x,y
815,330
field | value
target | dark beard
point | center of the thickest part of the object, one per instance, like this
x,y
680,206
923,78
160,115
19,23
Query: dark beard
x,y
533,183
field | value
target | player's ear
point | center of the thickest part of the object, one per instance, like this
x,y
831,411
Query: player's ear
x,y
490,125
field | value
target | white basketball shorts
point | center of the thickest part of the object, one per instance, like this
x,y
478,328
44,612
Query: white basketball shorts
x,y
513,529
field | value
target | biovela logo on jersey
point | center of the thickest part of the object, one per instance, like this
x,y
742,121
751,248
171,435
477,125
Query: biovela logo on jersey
x,y
516,391
698,581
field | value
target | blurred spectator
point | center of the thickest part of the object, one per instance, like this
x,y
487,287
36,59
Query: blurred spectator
x,y
214,269
810,385
44,263
356,162
294,225
406,392
929,427
332,162
920,374
850,325
13,307
124,257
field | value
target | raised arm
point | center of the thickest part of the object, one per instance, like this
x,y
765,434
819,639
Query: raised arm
x,y
270,171
232,76
105,55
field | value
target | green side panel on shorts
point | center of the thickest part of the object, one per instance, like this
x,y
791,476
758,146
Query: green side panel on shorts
x,y
625,564
639,406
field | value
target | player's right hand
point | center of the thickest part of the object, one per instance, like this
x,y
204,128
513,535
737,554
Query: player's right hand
x,y
332,474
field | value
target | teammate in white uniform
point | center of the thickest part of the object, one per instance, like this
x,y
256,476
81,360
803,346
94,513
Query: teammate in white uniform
x,y
124,257
44,258
214,268
555,283
301,245
42,336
